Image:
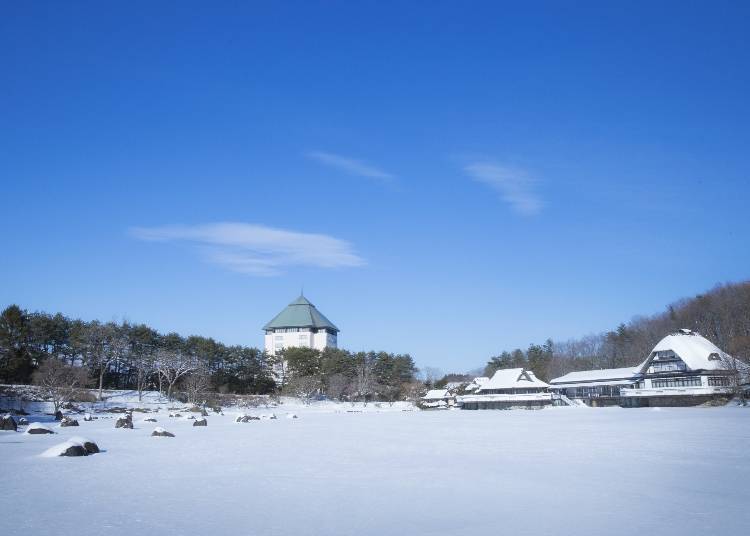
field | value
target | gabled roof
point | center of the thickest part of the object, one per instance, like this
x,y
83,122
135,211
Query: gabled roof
x,y
300,314
437,394
693,349
601,375
476,383
516,378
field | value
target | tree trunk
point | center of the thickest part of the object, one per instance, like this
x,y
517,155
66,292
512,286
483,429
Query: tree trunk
x,y
101,382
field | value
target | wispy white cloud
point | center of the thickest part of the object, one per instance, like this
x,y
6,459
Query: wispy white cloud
x,y
256,249
350,165
515,186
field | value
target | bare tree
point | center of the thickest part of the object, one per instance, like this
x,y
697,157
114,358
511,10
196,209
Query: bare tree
x,y
196,384
338,386
413,390
303,387
364,379
59,381
171,365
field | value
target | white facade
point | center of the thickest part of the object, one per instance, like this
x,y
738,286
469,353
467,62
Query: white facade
x,y
281,338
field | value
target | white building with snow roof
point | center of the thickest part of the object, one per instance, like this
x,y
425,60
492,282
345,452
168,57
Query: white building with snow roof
x,y
685,369
508,388
437,398
595,387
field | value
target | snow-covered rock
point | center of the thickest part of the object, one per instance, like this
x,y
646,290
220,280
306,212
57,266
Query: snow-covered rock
x,y
200,422
88,417
38,428
68,421
246,418
175,415
125,422
75,446
291,415
8,423
23,421
161,432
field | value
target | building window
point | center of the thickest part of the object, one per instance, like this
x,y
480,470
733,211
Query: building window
x,y
689,381
718,381
669,366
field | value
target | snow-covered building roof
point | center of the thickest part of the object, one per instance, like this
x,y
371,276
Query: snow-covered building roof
x,y
476,383
516,378
437,394
615,376
697,352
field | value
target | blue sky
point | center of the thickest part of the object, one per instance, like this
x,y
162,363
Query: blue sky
x,y
448,179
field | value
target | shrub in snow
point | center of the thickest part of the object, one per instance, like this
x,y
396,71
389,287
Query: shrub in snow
x,y
149,419
246,418
58,415
75,446
268,416
8,423
67,421
38,428
161,432
200,422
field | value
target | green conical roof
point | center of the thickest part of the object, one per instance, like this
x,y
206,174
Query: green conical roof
x,y
300,314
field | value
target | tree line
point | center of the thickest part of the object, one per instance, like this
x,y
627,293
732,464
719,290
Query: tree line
x,y
722,315
43,348
343,375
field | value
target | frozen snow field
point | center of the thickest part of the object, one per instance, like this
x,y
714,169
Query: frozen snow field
x,y
556,471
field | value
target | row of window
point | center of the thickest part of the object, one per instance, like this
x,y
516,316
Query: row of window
x,y
689,381
668,366
718,381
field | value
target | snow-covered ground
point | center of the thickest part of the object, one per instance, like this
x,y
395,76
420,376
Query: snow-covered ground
x,y
383,471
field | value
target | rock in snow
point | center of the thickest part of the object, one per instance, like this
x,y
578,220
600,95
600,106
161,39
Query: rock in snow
x,y
75,446
38,428
23,421
68,421
161,432
125,422
149,419
246,418
58,415
8,423
200,422
88,417
291,416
